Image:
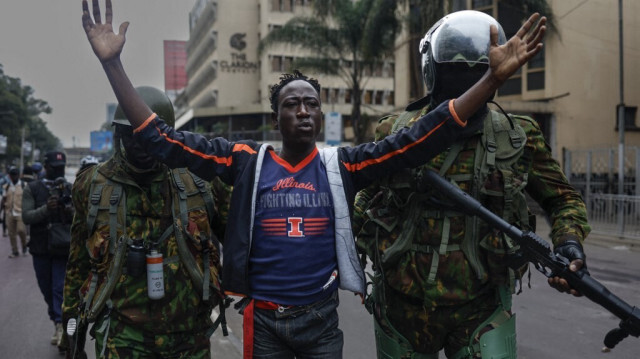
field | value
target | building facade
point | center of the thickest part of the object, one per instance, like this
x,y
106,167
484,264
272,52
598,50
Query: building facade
x,y
229,80
572,88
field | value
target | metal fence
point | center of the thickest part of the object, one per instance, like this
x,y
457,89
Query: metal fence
x,y
594,173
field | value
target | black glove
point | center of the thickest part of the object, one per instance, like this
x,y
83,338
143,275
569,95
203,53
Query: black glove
x,y
571,249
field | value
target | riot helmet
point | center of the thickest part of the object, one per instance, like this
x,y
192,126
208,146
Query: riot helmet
x,y
88,160
455,52
125,147
156,100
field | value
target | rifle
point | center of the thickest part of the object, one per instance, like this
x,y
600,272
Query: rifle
x,y
538,252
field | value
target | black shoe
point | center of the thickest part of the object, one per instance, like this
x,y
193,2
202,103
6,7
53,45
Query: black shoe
x,y
14,255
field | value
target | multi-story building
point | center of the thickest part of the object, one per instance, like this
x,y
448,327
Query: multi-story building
x,y
229,81
572,88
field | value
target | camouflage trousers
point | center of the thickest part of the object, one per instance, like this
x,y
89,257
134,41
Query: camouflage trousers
x,y
429,330
125,341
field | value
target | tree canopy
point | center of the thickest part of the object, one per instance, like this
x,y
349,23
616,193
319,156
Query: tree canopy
x,y
20,109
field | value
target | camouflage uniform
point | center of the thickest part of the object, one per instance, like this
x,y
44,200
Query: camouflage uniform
x,y
131,325
437,302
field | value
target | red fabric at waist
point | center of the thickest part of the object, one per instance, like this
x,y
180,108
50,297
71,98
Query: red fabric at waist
x,y
263,304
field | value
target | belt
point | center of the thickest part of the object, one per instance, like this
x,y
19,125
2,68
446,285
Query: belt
x,y
263,304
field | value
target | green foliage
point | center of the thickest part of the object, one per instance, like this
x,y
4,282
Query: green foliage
x,y
342,38
18,110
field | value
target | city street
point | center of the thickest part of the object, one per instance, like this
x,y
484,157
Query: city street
x,y
550,325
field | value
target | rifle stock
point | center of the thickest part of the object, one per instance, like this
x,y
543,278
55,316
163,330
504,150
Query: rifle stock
x,y
538,251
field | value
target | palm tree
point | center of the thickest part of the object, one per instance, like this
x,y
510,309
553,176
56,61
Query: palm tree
x,y
342,38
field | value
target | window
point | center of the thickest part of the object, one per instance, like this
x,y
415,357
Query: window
x,y
276,63
287,63
458,5
535,72
629,118
378,70
368,97
324,95
287,5
378,97
282,5
334,95
347,96
513,86
391,99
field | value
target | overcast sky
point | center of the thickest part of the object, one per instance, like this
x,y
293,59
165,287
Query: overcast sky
x,y
42,43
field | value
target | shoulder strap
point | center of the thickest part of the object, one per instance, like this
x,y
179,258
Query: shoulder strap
x,y
115,199
207,196
95,193
200,279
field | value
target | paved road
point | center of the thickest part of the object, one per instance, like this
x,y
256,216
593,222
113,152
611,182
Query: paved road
x,y
550,325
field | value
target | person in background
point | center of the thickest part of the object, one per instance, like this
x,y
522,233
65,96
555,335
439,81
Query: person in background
x,y
42,203
12,204
38,170
4,179
27,174
86,162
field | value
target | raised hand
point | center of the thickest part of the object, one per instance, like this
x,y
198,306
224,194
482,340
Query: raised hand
x,y
106,44
505,60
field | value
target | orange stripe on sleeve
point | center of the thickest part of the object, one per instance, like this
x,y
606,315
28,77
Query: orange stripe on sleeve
x,y
242,147
353,167
145,123
455,115
217,159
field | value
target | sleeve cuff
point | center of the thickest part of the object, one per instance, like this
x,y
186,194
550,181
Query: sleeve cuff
x,y
452,110
145,123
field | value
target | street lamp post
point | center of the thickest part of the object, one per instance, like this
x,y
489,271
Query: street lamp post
x,y
621,126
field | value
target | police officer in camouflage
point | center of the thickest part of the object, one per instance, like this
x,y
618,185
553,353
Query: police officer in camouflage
x,y
442,279
144,259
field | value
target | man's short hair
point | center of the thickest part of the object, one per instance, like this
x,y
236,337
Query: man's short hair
x,y
284,80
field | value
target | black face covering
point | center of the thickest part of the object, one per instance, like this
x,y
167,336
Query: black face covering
x,y
453,79
55,172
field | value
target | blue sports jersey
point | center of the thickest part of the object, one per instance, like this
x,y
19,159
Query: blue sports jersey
x,y
293,252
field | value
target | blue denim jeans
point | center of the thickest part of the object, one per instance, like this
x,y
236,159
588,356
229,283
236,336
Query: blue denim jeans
x,y
50,273
299,332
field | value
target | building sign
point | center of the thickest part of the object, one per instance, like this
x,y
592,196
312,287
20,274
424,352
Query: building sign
x,y
236,41
101,141
238,63
333,128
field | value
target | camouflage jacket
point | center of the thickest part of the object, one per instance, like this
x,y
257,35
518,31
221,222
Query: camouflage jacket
x,y
448,278
148,216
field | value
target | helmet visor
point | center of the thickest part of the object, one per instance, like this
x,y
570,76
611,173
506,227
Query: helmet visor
x,y
465,38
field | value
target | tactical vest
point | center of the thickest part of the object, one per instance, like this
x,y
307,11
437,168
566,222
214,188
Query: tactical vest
x,y
409,228
107,204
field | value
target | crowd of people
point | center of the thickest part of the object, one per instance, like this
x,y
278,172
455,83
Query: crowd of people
x,y
148,228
